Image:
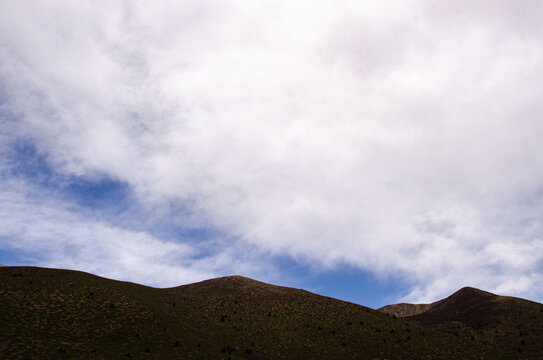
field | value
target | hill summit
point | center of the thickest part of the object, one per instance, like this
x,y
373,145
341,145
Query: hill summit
x,y
505,322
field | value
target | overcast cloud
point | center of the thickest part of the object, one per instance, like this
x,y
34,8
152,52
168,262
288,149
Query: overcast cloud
x,y
400,138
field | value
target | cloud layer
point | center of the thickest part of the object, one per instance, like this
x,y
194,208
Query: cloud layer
x,y
401,139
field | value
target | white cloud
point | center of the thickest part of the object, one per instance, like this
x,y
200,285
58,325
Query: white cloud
x,y
402,139
52,234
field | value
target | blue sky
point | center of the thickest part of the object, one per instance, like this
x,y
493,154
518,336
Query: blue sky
x,y
112,199
366,151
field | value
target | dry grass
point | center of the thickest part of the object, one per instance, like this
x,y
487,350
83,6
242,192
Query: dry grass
x,y
59,314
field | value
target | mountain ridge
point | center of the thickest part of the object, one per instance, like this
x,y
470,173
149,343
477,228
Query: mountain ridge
x,y
58,314
507,322
402,310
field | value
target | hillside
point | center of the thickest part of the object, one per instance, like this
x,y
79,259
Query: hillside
x,y
61,314
508,323
404,309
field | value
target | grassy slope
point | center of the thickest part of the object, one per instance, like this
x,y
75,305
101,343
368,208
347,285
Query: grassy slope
x,y
47,313
404,309
506,322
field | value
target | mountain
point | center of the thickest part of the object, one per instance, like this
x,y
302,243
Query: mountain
x,y
509,323
404,309
62,314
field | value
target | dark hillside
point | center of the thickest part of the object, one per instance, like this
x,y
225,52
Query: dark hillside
x,y
404,309
61,314
507,322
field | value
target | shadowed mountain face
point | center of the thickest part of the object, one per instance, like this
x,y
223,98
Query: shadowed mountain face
x,y
404,309
508,323
465,296
60,314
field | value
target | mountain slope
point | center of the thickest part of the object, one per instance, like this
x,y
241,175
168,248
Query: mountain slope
x,y
61,314
505,322
402,310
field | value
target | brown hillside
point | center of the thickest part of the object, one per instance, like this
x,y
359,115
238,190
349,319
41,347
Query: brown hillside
x,y
404,309
61,314
506,322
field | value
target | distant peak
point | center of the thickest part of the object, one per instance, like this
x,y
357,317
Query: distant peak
x,y
228,281
229,278
463,296
468,290
235,277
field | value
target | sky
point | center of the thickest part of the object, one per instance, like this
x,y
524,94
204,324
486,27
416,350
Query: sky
x,y
372,151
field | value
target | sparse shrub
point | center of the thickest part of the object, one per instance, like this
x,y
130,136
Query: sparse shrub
x,y
227,349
